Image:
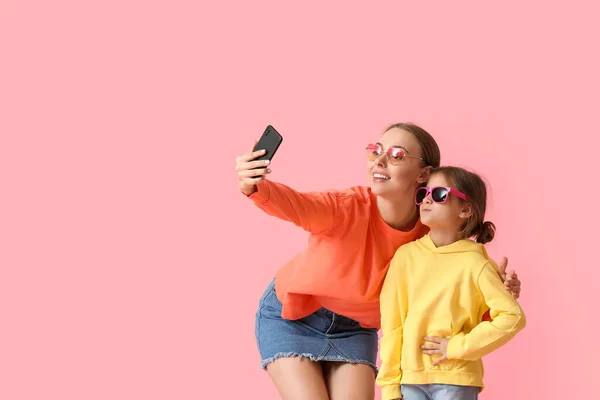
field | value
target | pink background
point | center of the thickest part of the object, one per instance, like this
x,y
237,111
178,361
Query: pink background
x,y
131,267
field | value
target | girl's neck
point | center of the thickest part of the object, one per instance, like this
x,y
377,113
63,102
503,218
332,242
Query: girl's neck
x,y
400,215
443,237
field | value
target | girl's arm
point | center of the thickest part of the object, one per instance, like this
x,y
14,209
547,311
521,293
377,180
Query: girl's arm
x,y
507,320
510,279
390,350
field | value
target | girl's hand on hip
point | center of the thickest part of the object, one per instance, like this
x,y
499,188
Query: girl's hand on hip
x,y
438,346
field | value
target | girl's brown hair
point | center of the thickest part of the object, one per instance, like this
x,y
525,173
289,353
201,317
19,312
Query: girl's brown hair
x,y
474,188
429,147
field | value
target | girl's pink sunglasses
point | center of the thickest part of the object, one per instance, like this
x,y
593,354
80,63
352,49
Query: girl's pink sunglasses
x,y
439,194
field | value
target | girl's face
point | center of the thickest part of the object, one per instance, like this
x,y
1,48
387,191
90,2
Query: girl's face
x,y
401,179
450,215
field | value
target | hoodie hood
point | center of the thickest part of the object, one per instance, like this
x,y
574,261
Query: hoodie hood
x,y
460,246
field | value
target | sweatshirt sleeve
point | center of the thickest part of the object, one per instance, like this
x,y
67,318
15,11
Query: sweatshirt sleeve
x,y
390,372
507,320
315,212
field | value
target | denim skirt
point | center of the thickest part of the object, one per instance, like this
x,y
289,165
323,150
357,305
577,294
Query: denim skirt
x,y
321,336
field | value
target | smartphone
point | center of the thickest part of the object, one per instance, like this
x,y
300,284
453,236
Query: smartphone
x,y
269,141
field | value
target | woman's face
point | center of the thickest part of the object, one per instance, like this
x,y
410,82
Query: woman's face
x,y
403,178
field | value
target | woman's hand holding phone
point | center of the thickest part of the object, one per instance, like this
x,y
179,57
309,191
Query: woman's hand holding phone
x,y
251,172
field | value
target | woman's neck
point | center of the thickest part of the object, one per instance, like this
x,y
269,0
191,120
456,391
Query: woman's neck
x,y
443,237
400,215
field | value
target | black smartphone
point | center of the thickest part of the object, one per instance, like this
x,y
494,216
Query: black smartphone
x,y
269,141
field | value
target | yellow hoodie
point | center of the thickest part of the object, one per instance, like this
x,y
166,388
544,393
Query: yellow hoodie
x,y
444,292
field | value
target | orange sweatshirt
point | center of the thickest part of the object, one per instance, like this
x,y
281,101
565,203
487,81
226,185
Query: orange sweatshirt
x,y
348,252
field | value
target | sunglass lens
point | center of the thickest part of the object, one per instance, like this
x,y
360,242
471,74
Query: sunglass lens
x,y
395,155
373,151
420,195
439,194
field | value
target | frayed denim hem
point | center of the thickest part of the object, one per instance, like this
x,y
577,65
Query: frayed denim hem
x,y
277,356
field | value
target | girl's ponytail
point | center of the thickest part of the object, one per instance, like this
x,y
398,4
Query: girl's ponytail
x,y
485,232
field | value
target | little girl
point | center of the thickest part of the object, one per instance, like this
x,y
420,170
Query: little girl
x,y
435,294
